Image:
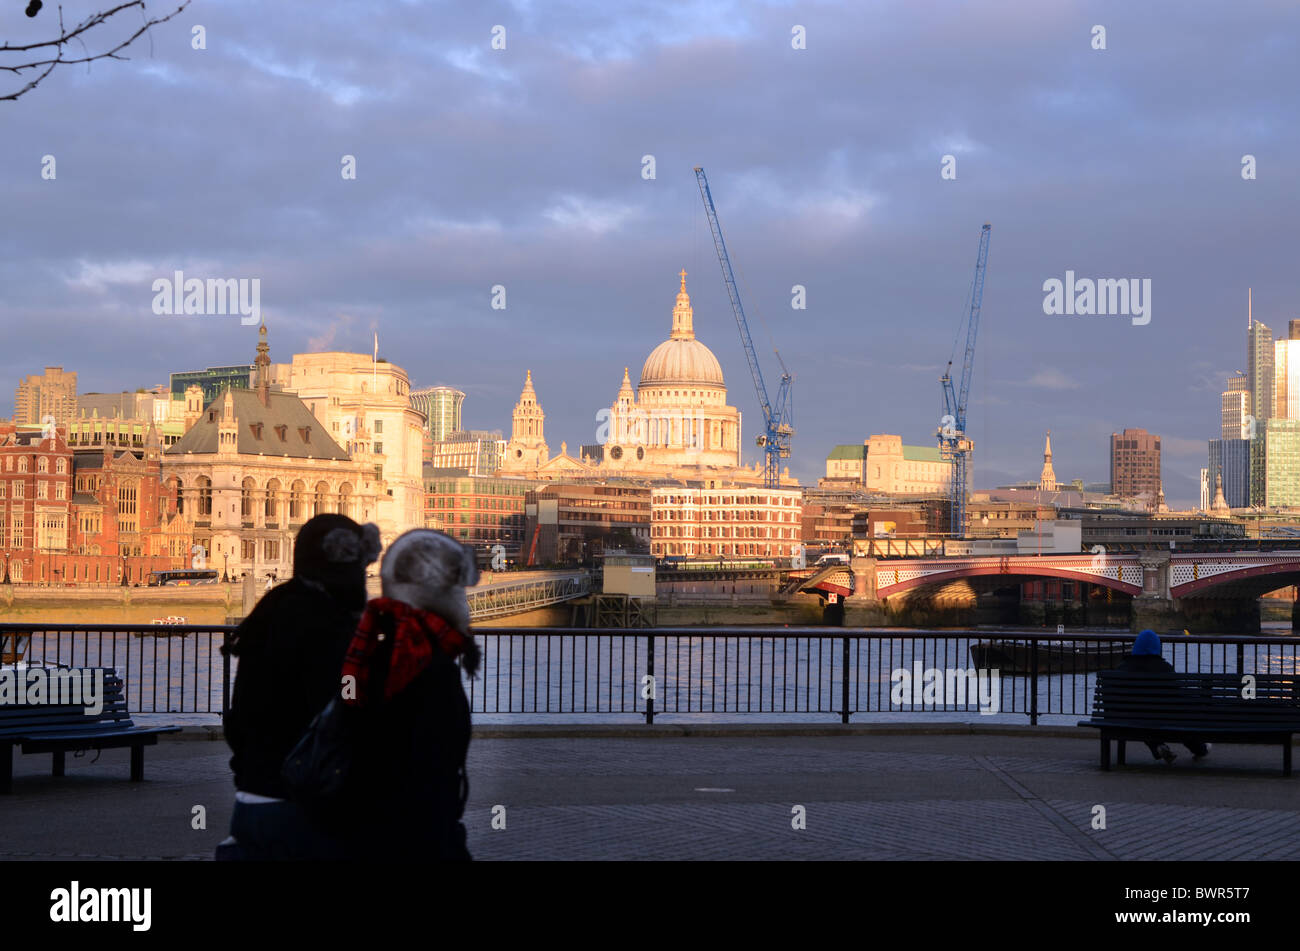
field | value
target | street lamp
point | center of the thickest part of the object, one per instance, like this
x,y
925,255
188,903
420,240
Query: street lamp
x,y
225,565
123,571
7,581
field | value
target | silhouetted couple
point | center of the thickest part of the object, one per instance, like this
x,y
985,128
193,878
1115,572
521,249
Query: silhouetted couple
x,y
393,662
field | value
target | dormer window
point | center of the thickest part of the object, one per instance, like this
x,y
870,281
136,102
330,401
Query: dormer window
x,y
305,433
257,430
282,431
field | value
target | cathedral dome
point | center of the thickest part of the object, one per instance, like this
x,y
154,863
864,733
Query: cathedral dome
x,y
681,359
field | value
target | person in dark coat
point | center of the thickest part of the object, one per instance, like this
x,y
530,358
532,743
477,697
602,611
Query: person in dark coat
x,y
407,786
1146,659
290,651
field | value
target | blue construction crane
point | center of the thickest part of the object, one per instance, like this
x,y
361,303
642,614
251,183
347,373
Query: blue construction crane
x,y
954,445
777,420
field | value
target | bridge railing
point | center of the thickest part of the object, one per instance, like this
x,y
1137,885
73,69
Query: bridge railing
x,y
800,674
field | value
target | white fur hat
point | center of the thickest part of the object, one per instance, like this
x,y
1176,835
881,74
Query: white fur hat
x,y
430,570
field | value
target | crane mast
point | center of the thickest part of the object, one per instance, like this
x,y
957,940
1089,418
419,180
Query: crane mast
x,y
955,446
777,418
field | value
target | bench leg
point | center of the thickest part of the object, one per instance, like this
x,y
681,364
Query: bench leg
x,y
1119,751
1286,757
1105,752
137,763
7,769
59,763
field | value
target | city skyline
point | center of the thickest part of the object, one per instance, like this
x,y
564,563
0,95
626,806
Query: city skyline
x,y
525,171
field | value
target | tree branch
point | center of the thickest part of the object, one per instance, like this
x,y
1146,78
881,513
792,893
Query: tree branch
x,y
46,66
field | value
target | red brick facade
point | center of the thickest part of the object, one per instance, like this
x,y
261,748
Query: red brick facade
x,y
85,517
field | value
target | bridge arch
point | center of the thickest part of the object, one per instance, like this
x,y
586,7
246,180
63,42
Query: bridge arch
x,y
1013,571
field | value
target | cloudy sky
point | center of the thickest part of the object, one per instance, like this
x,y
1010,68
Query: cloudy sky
x,y
523,167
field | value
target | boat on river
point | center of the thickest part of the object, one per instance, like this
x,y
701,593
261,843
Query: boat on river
x,y
1054,657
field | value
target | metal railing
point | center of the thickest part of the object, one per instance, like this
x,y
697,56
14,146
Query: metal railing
x,y
166,668
803,673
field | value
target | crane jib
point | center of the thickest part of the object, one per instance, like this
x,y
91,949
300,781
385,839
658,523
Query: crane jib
x,y
775,440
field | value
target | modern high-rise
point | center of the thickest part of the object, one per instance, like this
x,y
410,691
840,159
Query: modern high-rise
x,y
1230,460
1275,463
1135,465
1234,409
441,406
52,393
1286,374
1259,369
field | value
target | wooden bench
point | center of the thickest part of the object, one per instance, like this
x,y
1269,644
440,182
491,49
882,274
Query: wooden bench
x,y
1210,708
58,728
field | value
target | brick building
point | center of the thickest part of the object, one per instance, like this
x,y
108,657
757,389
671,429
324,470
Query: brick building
x,y
1135,465
728,520
84,517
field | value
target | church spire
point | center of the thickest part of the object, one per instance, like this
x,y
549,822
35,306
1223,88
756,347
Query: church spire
x,y
1047,480
1220,504
683,316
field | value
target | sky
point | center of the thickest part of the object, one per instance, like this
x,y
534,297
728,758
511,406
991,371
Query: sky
x,y
525,168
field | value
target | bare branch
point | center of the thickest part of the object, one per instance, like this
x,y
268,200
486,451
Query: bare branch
x,y
65,36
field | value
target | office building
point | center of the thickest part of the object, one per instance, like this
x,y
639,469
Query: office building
x,y
883,464
441,406
725,520
476,452
212,381
52,393
1259,369
1234,409
479,510
1275,463
1230,461
1135,465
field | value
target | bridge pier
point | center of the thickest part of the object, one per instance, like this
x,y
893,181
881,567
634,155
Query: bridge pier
x,y
1157,609
863,608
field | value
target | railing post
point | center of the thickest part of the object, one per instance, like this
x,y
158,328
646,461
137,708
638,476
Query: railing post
x,y
1241,658
225,673
844,679
653,684
1033,682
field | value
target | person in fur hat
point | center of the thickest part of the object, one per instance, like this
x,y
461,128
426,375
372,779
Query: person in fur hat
x,y
407,786
290,649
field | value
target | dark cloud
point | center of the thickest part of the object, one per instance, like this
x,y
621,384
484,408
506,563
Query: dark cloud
x,y
522,167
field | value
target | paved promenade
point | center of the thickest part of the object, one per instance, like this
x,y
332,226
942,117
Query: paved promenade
x,y
866,795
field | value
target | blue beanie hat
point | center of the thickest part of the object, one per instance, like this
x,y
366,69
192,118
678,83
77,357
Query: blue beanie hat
x,y
1148,642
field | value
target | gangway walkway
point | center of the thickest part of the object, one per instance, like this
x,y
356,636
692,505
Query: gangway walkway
x,y
518,593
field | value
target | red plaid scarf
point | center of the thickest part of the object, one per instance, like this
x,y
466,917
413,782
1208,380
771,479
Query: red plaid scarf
x,y
415,635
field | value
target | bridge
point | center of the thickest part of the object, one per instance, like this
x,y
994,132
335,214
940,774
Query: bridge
x,y
519,592
1205,591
